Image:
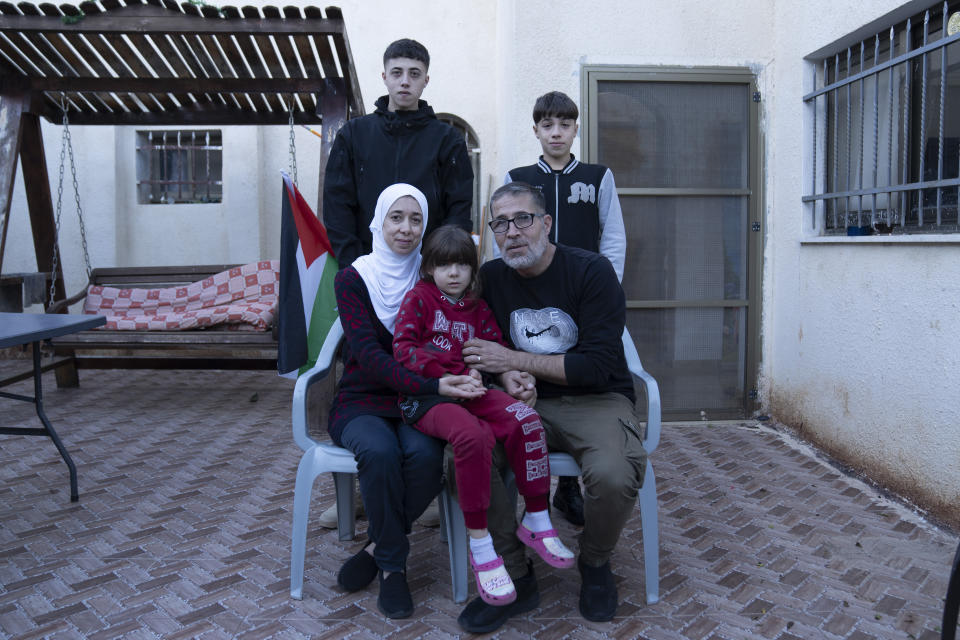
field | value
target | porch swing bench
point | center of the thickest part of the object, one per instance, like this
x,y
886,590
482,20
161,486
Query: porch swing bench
x,y
186,317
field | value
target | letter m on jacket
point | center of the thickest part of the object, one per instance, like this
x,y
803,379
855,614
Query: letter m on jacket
x,y
580,191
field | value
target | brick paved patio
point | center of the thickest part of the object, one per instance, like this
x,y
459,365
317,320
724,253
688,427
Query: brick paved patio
x,y
182,531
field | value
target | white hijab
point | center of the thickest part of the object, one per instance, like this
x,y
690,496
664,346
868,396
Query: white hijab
x,y
389,275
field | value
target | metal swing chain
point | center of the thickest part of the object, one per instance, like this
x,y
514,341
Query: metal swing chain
x,y
293,147
66,148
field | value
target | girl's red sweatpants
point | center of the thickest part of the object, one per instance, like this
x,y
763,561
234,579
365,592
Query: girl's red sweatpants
x,y
473,428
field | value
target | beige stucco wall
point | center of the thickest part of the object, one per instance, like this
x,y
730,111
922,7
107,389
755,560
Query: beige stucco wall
x,y
858,340
860,347
174,234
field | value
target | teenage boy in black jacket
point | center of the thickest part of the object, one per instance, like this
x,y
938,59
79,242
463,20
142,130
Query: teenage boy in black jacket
x,y
581,197
402,141
582,201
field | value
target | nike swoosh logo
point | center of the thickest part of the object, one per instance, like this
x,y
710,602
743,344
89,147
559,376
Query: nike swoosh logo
x,y
539,333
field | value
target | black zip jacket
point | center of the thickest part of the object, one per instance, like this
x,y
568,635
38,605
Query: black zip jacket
x,y
385,147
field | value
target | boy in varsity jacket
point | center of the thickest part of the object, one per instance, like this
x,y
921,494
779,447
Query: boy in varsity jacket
x,y
581,198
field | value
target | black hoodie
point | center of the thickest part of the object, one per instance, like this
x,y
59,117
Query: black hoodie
x,y
385,147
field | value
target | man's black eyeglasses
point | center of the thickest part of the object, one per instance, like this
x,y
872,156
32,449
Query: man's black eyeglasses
x,y
520,221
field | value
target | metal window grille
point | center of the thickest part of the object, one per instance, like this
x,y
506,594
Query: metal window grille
x,y
885,130
179,166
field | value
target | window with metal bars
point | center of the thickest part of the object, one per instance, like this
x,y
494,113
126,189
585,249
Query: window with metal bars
x,y
179,167
885,130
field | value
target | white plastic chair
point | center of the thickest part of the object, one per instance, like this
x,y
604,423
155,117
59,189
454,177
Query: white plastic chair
x,y
324,457
562,464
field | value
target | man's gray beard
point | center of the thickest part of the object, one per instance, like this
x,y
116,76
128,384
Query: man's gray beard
x,y
535,251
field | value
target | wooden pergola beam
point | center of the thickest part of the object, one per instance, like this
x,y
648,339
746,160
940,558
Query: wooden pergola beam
x,y
163,24
171,85
12,106
215,116
333,110
36,183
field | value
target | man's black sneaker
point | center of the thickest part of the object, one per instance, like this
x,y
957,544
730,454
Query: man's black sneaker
x,y
394,600
568,500
480,617
358,571
598,592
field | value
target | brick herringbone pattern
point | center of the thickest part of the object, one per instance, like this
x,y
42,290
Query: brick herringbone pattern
x,y
186,490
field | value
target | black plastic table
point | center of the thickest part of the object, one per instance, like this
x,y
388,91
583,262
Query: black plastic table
x,y
23,328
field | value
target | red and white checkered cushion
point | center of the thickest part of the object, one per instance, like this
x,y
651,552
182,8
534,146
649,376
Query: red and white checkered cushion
x,y
245,298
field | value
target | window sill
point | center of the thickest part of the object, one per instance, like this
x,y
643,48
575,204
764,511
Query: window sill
x,y
932,238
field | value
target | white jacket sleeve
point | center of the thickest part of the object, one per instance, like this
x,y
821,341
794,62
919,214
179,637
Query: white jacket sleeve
x,y
613,236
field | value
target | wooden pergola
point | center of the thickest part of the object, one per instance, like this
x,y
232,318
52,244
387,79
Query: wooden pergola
x,y
159,62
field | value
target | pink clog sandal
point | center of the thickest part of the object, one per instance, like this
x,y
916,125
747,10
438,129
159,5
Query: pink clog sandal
x,y
534,540
500,579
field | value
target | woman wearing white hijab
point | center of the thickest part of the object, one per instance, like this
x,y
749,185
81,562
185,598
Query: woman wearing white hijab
x,y
399,468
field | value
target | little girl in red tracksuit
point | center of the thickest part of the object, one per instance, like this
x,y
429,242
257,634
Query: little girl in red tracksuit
x,y
436,317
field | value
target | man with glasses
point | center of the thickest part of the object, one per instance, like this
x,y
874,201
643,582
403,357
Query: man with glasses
x,y
564,311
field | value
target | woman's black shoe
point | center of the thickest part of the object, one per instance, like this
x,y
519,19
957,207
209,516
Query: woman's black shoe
x,y
358,571
394,600
568,500
480,617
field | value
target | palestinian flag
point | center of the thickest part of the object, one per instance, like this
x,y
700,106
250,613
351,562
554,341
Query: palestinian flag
x,y
307,306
